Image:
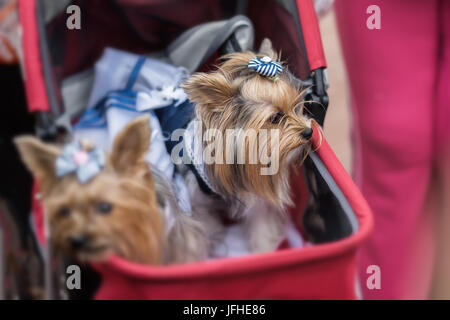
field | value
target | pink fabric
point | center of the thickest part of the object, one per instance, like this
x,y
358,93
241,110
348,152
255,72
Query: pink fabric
x,y
399,78
443,86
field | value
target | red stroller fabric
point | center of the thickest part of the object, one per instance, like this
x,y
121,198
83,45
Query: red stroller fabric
x,y
325,270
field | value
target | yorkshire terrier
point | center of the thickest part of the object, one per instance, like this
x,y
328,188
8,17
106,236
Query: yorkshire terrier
x,y
251,91
124,209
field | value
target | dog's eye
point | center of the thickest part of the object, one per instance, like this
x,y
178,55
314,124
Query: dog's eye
x,y
276,117
64,211
104,207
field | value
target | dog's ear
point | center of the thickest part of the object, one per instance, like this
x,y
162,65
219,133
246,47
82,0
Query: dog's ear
x,y
131,144
266,49
208,89
39,157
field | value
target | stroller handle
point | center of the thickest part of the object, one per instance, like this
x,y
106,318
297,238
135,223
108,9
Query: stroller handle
x,y
316,97
311,34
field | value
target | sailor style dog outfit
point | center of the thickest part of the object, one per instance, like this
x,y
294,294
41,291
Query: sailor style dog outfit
x,y
126,86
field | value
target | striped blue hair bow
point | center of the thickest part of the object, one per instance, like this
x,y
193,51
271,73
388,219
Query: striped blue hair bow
x,y
265,66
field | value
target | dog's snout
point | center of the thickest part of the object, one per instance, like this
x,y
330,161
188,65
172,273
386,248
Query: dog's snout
x,y
79,241
307,133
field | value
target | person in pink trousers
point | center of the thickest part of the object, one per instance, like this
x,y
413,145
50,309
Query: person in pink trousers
x,y
399,77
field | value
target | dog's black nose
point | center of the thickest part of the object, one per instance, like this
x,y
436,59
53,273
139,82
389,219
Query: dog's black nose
x,y
307,133
78,242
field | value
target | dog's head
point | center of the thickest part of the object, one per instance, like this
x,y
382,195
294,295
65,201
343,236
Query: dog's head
x,y
114,212
268,114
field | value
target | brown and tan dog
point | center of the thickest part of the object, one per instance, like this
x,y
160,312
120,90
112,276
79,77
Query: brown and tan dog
x,y
121,211
237,98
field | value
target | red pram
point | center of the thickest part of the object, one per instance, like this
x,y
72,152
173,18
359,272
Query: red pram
x,y
52,54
